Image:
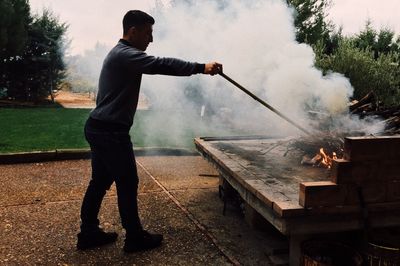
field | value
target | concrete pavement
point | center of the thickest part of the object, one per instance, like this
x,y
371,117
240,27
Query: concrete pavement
x,y
178,197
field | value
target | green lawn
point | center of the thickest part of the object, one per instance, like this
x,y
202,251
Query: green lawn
x,y
36,129
40,129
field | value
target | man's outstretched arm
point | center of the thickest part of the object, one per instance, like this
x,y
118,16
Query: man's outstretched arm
x,y
147,64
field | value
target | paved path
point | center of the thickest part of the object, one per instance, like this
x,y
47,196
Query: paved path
x,y
178,197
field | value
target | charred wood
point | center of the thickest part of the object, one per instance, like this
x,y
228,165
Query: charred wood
x,y
367,107
370,98
364,108
310,146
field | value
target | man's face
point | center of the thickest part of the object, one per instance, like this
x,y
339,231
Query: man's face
x,y
140,37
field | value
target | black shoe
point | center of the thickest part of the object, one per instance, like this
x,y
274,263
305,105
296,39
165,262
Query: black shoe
x,y
96,238
142,241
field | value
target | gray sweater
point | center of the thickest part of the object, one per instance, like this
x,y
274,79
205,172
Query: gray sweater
x,y
120,78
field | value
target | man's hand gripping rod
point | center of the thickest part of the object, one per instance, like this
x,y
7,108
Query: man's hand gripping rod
x,y
263,103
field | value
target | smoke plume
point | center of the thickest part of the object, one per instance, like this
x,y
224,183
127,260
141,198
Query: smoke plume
x,y
255,41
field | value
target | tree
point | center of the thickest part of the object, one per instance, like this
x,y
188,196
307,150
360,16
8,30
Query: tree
x,y
14,23
310,20
7,12
365,71
382,42
45,53
40,68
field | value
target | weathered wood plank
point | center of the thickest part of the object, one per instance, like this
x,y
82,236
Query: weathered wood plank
x,y
326,193
373,208
344,171
322,193
287,209
268,179
369,148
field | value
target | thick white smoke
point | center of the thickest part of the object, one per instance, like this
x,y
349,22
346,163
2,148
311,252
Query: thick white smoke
x,y
255,41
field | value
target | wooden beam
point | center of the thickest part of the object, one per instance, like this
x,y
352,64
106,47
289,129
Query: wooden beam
x,y
321,193
344,172
326,193
369,148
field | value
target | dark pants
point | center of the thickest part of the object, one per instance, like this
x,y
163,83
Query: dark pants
x,y
112,160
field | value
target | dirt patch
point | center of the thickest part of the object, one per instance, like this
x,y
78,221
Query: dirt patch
x,y
69,99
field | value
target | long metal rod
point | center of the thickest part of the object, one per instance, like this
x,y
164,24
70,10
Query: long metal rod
x,y
263,103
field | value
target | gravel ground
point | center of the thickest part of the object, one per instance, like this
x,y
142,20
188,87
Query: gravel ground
x,y
178,197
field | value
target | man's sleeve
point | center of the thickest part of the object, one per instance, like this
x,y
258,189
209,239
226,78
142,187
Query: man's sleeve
x,y
147,64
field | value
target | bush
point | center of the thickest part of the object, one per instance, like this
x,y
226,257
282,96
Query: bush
x,y
365,71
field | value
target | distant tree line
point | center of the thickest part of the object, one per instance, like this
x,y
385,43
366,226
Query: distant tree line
x,y
31,52
370,59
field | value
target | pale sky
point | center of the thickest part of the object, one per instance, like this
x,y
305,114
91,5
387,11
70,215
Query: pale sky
x,y
100,20
352,14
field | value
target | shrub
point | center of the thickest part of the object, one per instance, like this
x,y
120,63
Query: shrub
x,y
365,71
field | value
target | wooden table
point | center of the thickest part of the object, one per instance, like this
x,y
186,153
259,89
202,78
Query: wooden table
x,y
266,172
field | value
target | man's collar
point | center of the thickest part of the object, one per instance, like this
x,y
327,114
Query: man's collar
x,y
125,42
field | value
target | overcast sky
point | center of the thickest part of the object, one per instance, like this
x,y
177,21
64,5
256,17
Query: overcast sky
x,y
100,20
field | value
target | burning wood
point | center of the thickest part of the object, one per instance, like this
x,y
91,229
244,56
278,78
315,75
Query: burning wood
x,y
320,159
326,159
370,168
320,149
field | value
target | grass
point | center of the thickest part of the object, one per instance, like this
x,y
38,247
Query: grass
x,y
42,129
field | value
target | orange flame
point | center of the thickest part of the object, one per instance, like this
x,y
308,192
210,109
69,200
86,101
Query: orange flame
x,y
320,159
326,160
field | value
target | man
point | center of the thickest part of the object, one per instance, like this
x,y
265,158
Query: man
x,y
107,131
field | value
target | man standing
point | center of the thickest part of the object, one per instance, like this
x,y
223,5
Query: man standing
x,y
107,131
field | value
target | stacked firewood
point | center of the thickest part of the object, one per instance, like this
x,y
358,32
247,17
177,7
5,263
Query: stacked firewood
x,y
369,106
332,142
329,141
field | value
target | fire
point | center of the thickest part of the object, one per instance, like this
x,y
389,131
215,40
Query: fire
x,y
326,160
320,159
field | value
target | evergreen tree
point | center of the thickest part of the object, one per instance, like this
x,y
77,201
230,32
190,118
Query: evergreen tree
x,y
38,67
14,23
312,26
382,42
310,20
45,54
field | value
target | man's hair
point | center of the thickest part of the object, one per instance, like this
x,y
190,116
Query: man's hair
x,y
136,18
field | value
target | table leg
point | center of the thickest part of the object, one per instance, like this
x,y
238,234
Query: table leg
x,y
295,248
